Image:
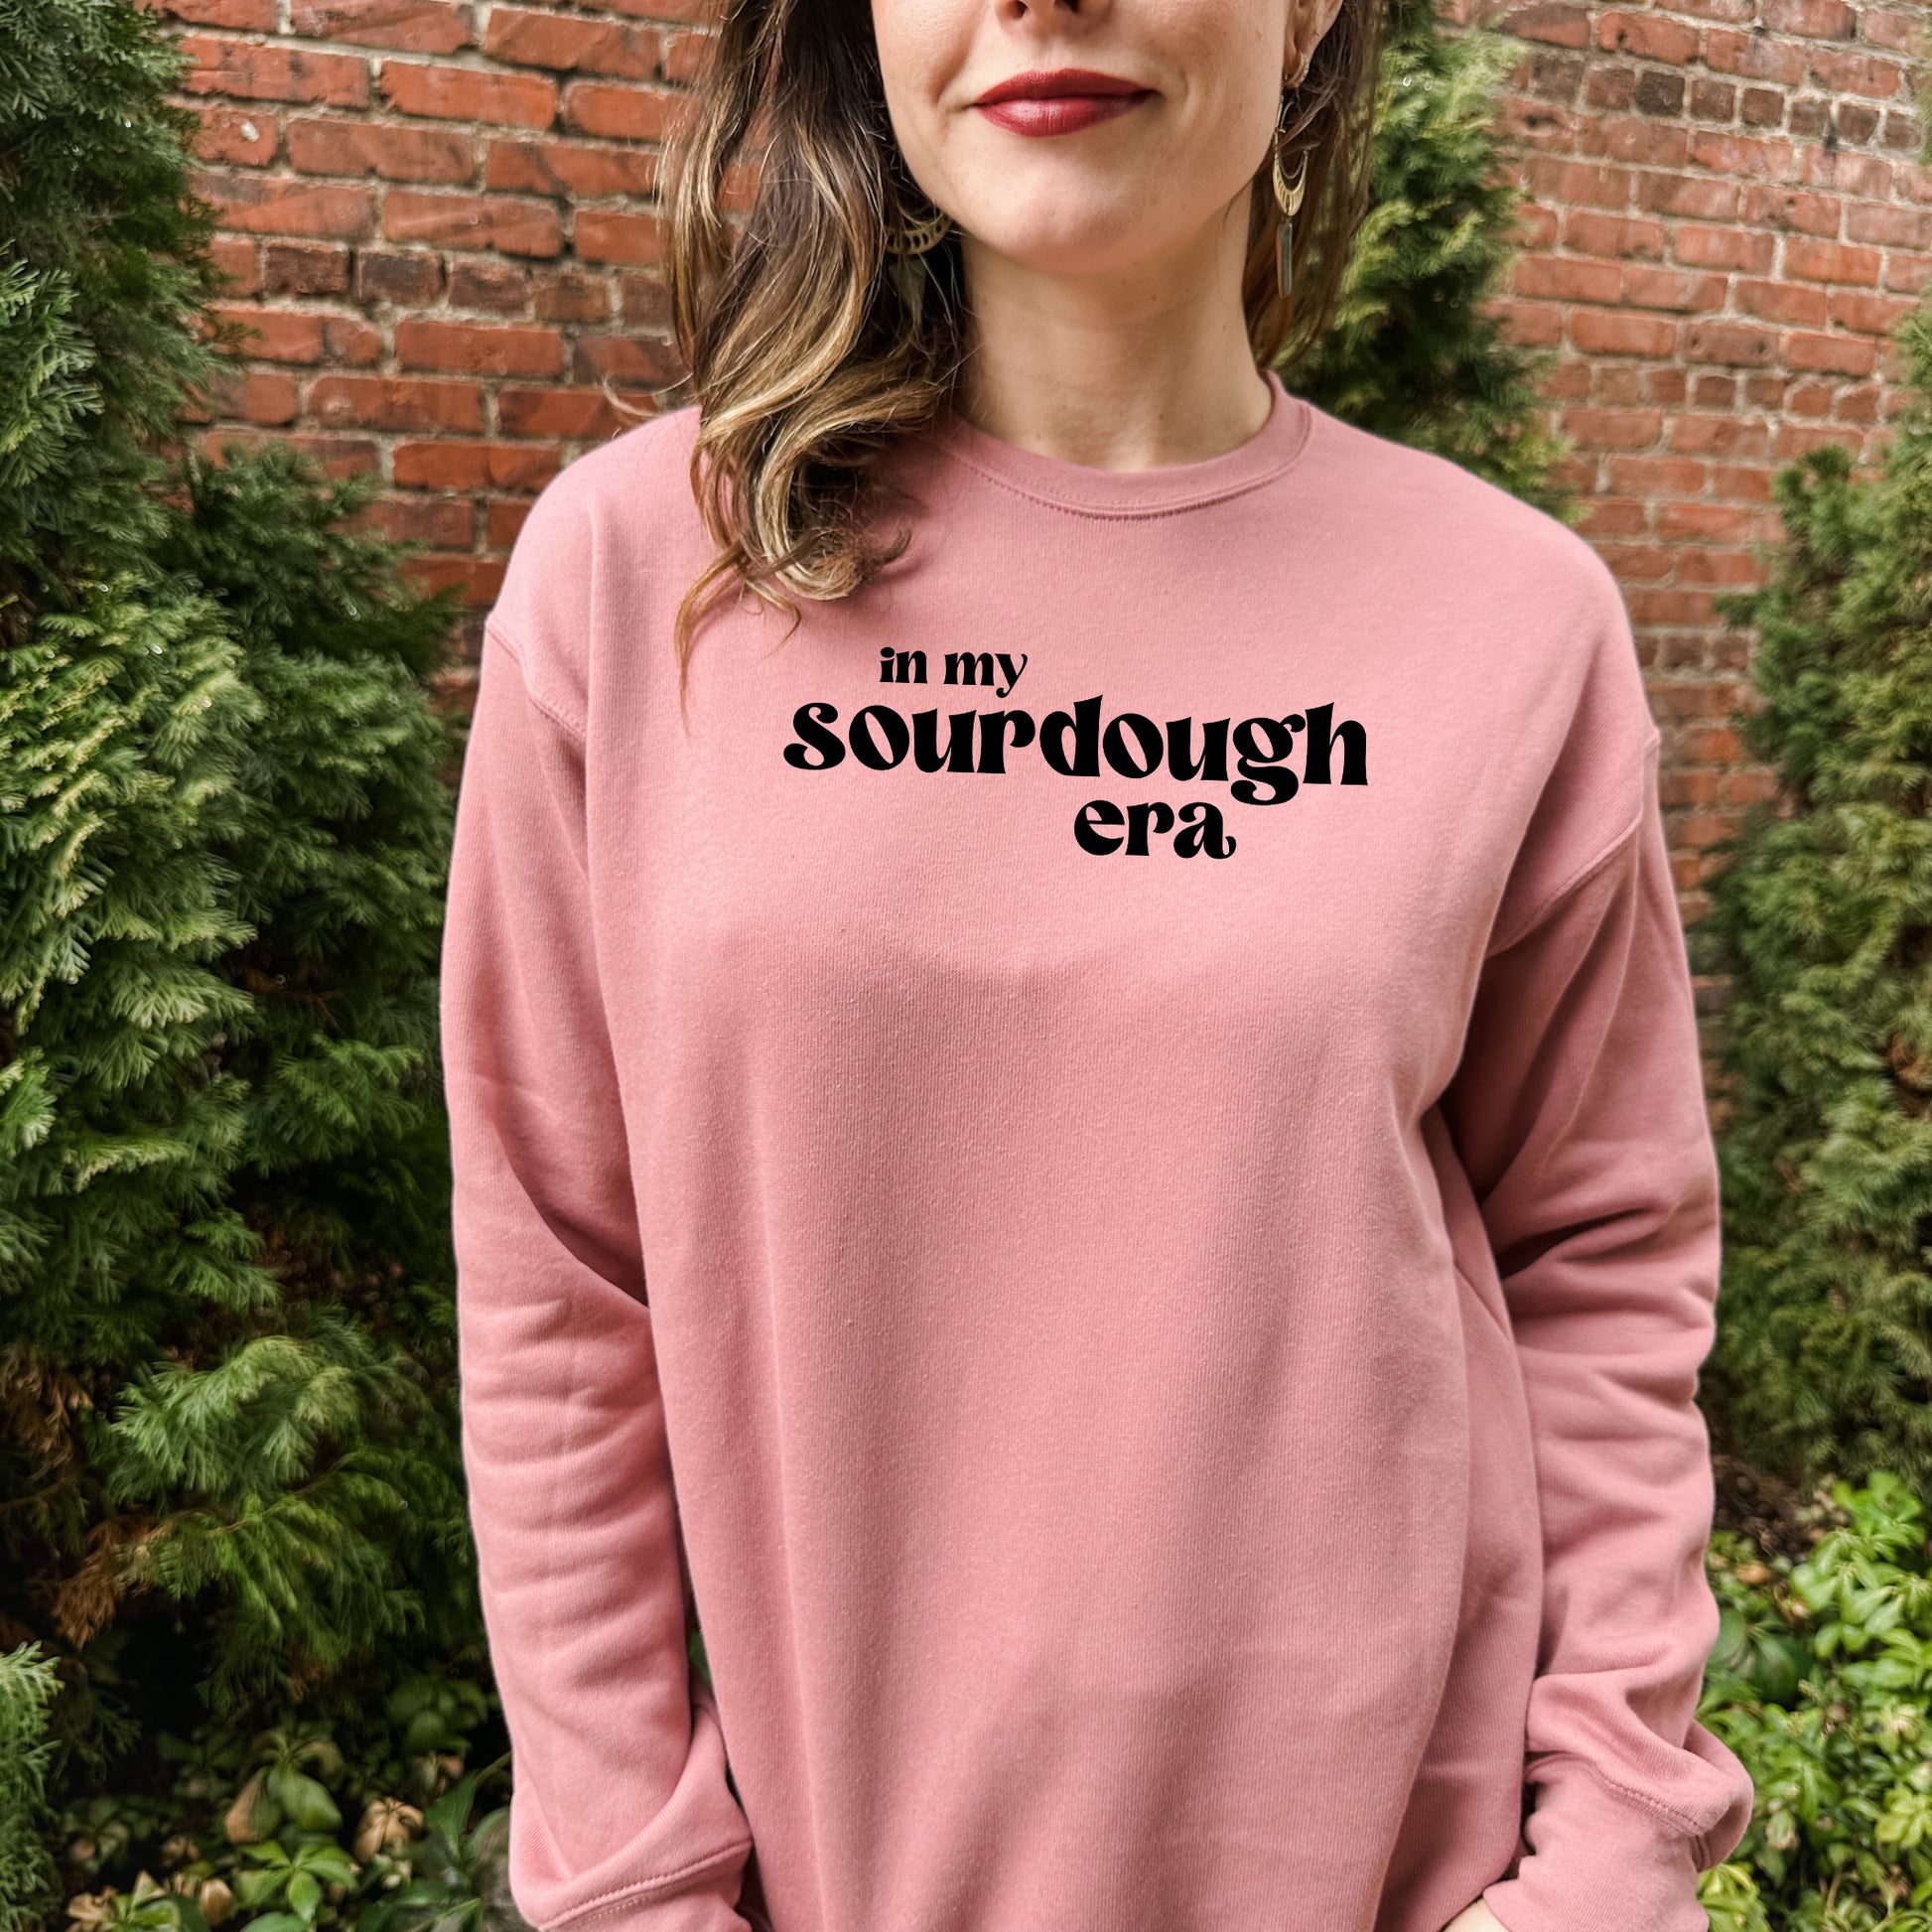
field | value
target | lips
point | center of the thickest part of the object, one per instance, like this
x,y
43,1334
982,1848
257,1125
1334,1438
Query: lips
x,y
1060,101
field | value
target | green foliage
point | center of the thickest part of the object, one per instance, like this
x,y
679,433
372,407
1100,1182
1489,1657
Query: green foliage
x,y
1820,1681
26,1688
1823,920
104,274
1415,354
229,1477
366,1823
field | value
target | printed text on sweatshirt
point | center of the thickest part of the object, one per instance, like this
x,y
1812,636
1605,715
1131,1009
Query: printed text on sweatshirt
x,y
1096,1160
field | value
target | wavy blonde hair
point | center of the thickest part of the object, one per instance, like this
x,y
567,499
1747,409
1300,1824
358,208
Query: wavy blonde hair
x,y
807,354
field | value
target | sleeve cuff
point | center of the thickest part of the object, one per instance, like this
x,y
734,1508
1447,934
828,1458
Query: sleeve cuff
x,y
1598,1862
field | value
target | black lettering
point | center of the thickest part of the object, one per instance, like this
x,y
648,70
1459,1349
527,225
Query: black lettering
x,y
1086,821
992,736
1201,831
1259,760
1084,723
1355,757
809,722
959,740
898,738
1123,760
969,667
1213,766
1141,816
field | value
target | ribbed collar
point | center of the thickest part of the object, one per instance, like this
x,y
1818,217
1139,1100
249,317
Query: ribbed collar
x,y
1157,491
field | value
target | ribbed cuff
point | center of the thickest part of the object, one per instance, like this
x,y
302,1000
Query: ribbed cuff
x,y
1598,1862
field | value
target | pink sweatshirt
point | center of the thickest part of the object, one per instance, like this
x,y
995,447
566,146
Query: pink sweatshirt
x,y
1101,1168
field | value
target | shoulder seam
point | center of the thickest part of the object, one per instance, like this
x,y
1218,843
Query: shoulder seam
x,y
1589,866
492,628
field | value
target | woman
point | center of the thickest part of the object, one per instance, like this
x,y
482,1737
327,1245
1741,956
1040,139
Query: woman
x,y
1087,1144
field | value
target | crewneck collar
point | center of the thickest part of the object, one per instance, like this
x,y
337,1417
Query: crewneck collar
x,y
1157,491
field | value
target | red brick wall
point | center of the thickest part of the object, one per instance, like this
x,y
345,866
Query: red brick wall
x,y
1727,217
438,217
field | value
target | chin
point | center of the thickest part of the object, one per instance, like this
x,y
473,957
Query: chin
x,y
1072,248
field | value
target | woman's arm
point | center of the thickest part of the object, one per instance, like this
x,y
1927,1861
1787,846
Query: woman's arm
x,y
621,1815
1579,1112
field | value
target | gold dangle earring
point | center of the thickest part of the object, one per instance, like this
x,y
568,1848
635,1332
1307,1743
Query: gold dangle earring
x,y
1288,197
906,244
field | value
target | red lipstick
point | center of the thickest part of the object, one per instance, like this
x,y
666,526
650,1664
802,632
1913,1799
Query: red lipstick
x,y
1060,101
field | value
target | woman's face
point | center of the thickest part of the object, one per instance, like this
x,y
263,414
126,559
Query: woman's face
x,y
1034,184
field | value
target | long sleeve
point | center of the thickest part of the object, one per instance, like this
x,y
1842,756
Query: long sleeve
x,y
621,1815
1578,1110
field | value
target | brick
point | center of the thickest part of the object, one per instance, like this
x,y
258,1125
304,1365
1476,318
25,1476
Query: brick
x,y
409,25
247,70
525,467
467,94
568,169
1831,261
236,135
1563,278
348,340
683,53
336,147
1910,274
1648,144
606,235
1598,332
1786,302
1713,101
1738,154
574,295
617,112
502,521
482,282
253,206
1846,355
1578,183
1691,433
1871,315
1658,92
576,415
1550,21
472,222
1615,429
537,38
1812,20
1734,342
478,577
645,300
277,335
264,397
236,263
439,520
1536,324
396,403
238,16
1698,246
631,362
1794,208
474,350
395,276
306,269
1645,287
339,456
1705,201
1753,56
1648,37
1888,227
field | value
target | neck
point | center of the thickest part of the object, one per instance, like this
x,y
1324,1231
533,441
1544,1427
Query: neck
x,y
1135,367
